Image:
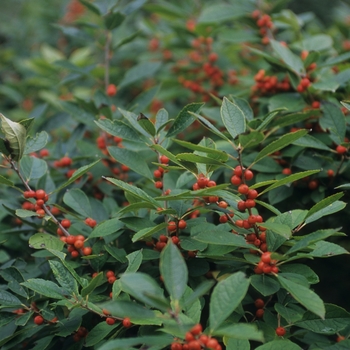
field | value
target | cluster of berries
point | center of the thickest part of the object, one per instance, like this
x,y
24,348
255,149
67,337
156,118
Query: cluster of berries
x,y
82,332
204,182
263,21
63,162
159,173
196,340
41,198
75,244
266,265
265,84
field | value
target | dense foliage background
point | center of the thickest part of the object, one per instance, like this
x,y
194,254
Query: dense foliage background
x,y
192,165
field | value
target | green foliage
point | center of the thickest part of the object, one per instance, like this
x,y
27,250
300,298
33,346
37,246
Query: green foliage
x,y
170,172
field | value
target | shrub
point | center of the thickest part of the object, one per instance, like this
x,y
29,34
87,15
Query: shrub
x,y
170,189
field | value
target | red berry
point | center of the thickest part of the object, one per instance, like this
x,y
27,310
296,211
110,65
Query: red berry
x,y
238,170
266,257
176,346
196,329
250,203
330,172
313,184
259,313
40,194
110,274
157,174
236,180
212,343
87,251
172,226
112,279
164,159
90,222
126,322
182,224
202,182
280,331
211,183
241,206
243,189
74,254
286,171
79,244
259,303
29,194
163,238
194,345
44,153
341,149
252,194
175,239
223,219
111,90
38,320
248,174
223,204
66,223
110,321
158,184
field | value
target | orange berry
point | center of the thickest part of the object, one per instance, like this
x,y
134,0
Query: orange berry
x,y
126,322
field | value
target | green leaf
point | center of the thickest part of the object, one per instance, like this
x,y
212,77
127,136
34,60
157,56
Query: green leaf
x,y
240,331
134,160
32,168
4,147
91,7
113,20
45,241
135,260
184,119
78,173
233,118
162,118
63,277
107,228
210,151
119,128
280,143
233,344
78,201
278,345
99,333
8,299
226,297
309,141
142,70
5,181
210,126
244,106
333,120
93,284
288,57
146,124
36,143
251,139
47,288
173,269
290,314
126,40
280,229
289,179
147,232
159,342
268,119
306,297
212,235
145,289
221,12
336,319
332,208
324,205
264,284
15,134
327,249
195,158
137,192
307,240
200,290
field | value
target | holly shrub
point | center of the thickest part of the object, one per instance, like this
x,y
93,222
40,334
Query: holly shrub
x,y
169,172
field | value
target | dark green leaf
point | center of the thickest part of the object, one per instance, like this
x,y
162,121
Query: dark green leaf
x,y
99,333
142,70
278,345
159,341
265,285
45,241
63,277
226,297
93,284
327,249
306,297
8,299
113,20
309,141
184,119
233,118
36,143
333,120
144,288
241,331
282,142
147,232
325,205
173,270
32,168
15,134
135,260
46,288
78,201
91,7
336,319
106,228
78,173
